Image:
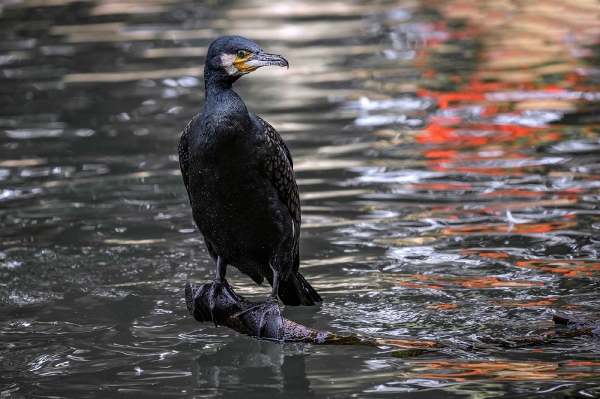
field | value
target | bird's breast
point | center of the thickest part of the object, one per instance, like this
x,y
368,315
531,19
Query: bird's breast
x,y
227,174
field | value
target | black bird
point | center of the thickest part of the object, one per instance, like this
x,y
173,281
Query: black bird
x,y
239,176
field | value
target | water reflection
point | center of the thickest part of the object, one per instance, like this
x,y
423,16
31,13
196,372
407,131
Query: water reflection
x,y
257,368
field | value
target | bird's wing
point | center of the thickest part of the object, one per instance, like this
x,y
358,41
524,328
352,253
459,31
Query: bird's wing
x,y
279,168
183,156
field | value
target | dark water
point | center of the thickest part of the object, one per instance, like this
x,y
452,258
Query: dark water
x,y
448,157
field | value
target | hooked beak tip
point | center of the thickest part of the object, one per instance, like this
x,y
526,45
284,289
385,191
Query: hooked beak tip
x,y
266,59
282,61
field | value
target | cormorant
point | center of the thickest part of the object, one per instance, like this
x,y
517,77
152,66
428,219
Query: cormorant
x,y
239,176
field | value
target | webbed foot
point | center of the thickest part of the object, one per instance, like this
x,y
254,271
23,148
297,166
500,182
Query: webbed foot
x,y
222,300
195,305
263,318
212,302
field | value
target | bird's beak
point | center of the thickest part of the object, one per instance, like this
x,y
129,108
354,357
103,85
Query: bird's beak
x,y
261,59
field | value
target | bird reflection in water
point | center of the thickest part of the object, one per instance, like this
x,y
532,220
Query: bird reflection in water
x,y
256,366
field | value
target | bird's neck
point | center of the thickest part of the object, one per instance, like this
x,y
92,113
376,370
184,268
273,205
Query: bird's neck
x,y
215,82
222,102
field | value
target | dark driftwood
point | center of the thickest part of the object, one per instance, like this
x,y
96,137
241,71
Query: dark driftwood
x,y
230,313
587,327
579,328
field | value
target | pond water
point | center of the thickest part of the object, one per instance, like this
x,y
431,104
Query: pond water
x,y
448,159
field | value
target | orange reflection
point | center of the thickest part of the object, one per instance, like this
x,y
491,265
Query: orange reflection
x,y
513,193
443,306
402,343
568,268
524,228
503,371
416,285
541,302
440,186
494,255
468,282
531,57
478,134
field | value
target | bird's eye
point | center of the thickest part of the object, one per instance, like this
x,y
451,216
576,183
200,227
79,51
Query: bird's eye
x,y
241,54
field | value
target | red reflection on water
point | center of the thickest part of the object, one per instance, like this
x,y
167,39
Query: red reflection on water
x,y
541,302
417,285
494,255
440,186
479,134
524,228
403,343
444,306
467,282
503,371
568,268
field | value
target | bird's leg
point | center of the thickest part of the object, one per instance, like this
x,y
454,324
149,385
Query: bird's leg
x,y
220,295
275,289
265,317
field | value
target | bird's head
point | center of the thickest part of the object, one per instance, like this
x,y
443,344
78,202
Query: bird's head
x,y
230,57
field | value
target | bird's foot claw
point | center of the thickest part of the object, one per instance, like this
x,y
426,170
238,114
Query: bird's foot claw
x,y
212,302
222,300
195,305
263,319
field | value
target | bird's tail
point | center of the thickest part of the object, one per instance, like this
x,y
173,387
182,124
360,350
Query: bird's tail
x,y
297,291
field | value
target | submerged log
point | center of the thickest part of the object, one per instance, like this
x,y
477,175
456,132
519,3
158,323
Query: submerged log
x,y
230,312
230,315
589,327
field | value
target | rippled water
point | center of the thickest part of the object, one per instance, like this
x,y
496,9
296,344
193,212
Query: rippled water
x,y
447,155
